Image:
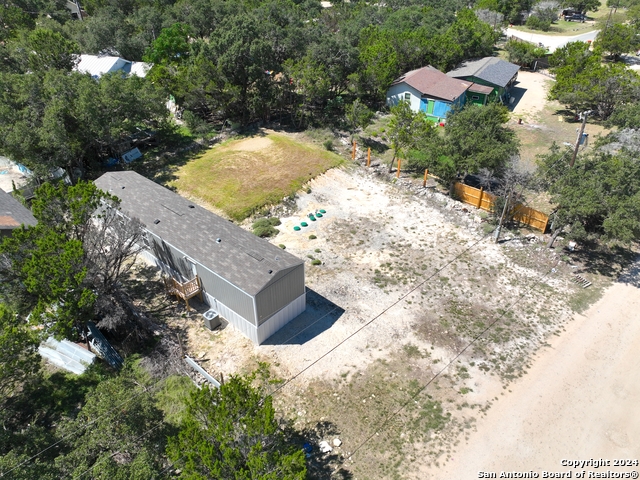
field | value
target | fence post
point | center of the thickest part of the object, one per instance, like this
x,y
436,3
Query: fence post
x,y
426,174
369,157
353,151
480,197
398,170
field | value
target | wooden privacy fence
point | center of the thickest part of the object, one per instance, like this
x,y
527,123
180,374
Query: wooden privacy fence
x,y
485,201
473,196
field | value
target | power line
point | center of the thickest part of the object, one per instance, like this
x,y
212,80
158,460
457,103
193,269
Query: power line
x,y
419,285
159,424
83,427
451,362
328,352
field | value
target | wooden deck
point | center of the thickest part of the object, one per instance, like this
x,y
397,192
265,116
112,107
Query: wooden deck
x,y
185,290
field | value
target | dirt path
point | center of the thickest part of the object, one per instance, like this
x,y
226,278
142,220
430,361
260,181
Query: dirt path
x,y
531,92
579,400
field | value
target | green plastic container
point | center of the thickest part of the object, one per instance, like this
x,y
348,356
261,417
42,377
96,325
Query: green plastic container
x,y
318,215
323,211
296,228
304,224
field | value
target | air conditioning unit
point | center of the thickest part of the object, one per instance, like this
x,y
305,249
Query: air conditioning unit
x,y
211,319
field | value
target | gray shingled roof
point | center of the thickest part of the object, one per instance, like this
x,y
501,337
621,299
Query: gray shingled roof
x,y
13,213
249,262
490,69
432,82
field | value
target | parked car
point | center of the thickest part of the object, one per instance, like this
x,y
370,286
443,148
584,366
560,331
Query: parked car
x,y
579,17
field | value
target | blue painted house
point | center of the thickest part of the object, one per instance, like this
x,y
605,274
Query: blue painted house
x,y
429,90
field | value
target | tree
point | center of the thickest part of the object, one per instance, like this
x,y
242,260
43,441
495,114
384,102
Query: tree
x,y
19,357
490,17
582,5
77,253
357,116
475,137
618,39
583,82
42,49
243,59
406,129
379,61
127,434
232,432
69,120
599,198
171,46
523,53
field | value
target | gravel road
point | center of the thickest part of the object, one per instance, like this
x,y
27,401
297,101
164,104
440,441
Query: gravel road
x,y
579,400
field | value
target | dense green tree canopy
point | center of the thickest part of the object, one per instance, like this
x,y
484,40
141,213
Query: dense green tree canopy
x,y
584,82
18,351
599,198
476,137
232,432
618,39
69,120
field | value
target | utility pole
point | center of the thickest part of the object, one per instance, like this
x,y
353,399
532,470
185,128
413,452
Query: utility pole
x,y
575,150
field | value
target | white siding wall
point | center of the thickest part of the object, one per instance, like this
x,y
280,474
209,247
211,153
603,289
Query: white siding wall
x,y
281,318
269,327
396,94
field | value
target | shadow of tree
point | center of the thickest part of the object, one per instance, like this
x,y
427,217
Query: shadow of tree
x,y
612,262
320,465
375,145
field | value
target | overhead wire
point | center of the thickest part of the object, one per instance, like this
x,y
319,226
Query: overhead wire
x,y
318,359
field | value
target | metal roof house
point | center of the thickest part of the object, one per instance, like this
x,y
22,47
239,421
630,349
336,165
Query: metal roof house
x,y
493,72
13,214
429,90
98,65
255,285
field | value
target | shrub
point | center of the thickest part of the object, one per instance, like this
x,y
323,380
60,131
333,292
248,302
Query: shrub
x,y
316,262
317,250
265,227
328,144
282,246
308,190
536,23
312,237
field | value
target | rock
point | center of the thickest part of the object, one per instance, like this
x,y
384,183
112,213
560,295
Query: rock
x,y
337,442
325,447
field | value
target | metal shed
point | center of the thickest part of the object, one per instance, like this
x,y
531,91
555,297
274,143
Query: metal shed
x,y
253,284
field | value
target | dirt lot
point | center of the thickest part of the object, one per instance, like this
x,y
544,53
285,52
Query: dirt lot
x,y
408,281
577,402
544,121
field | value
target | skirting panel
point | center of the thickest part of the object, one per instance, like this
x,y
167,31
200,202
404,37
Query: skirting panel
x,y
281,318
247,328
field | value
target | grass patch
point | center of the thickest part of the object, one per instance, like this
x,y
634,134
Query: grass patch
x,y
240,177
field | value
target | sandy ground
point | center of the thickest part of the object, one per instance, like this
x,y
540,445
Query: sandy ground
x,y
579,401
377,244
530,92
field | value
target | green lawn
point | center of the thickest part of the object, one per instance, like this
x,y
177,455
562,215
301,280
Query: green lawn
x,y
240,177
